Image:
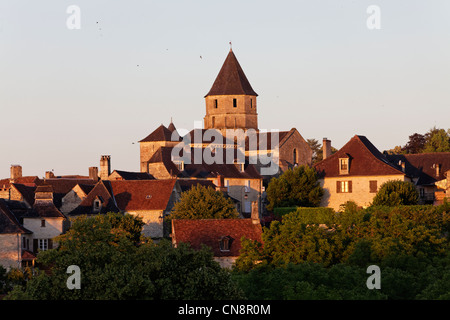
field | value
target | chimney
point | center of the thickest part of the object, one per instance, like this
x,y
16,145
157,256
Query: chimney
x,y
105,167
438,169
326,148
93,173
49,175
43,193
255,213
16,172
402,164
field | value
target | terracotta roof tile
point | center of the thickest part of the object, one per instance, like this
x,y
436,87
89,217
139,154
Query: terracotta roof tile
x,y
134,195
209,232
365,160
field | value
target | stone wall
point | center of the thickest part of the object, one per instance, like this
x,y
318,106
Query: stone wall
x,y
360,189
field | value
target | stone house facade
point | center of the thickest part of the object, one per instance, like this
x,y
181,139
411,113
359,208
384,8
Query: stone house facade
x,y
355,173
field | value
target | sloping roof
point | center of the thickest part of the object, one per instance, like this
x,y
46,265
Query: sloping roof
x,y
27,192
203,170
128,175
142,195
45,209
231,79
423,165
8,222
102,191
61,186
159,134
31,181
209,232
365,160
186,185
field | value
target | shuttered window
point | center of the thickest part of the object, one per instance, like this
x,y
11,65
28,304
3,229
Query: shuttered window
x,y
373,186
344,187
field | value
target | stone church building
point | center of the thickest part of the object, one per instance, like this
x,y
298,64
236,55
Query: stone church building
x,y
231,104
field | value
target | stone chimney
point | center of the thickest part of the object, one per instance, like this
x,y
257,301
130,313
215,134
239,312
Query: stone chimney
x,y
437,166
326,148
105,167
255,213
49,175
93,173
16,172
44,194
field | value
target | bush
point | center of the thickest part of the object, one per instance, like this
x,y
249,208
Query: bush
x,y
396,193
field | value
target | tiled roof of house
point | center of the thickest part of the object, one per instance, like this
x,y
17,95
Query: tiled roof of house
x,y
142,195
8,222
31,181
159,134
209,232
61,186
203,170
128,175
424,166
231,79
365,160
101,191
27,192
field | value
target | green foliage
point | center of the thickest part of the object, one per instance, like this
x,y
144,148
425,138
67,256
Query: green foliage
x,y
396,193
114,266
295,187
203,203
306,281
325,256
437,140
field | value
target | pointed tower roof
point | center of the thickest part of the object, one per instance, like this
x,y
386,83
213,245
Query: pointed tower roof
x,y
231,79
160,134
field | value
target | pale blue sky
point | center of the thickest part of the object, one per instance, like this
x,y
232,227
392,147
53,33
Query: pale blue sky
x,y
69,96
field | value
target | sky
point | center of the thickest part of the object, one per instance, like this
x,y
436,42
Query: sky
x,y
69,95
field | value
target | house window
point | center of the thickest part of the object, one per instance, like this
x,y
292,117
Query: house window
x,y
97,205
234,103
43,244
373,186
24,243
343,187
343,165
294,156
216,104
42,223
225,243
251,103
213,120
179,165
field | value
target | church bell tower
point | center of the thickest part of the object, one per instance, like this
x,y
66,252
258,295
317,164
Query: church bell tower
x,y
231,102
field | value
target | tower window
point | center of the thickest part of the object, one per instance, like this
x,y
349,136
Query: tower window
x,y
251,103
215,103
234,103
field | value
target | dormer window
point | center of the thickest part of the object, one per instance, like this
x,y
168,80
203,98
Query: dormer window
x,y
344,165
179,164
97,205
225,243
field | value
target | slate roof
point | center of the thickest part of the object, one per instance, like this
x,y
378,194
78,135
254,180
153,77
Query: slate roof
x,y
209,232
423,165
159,134
128,175
8,222
231,79
365,160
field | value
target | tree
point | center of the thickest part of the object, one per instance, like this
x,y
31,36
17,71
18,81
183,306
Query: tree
x,y
203,203
317,150
295,187
416,143
395,193
113,266
437,140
